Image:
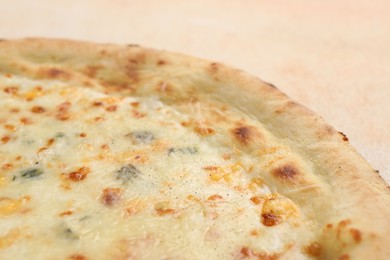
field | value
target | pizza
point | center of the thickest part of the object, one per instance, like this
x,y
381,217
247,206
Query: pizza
x,y
124,152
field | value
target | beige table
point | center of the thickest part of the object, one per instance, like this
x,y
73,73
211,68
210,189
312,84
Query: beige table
x,y
333,56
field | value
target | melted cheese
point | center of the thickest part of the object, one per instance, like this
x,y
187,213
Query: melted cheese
x,y
85,175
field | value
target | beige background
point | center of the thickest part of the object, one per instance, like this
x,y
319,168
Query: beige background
x,y
332,56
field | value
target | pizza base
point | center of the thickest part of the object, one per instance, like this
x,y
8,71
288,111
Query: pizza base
x,y
315,188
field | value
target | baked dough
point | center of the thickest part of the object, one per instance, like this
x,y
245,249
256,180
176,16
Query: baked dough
x,y
123,152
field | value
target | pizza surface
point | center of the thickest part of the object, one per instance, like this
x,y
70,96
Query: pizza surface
x,y
122,152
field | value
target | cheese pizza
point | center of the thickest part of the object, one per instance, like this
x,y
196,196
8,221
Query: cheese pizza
x,y
123,152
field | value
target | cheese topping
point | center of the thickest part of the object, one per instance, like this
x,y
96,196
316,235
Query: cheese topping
x,y
94,176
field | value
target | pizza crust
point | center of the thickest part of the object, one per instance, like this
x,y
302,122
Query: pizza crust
x,y
331,183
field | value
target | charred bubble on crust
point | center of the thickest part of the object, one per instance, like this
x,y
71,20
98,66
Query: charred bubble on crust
x,y
286,106
345,138
213,70
132,45
133,65
271,85
92,70
54,73
286,172
244,134
127,173
131,70
214,67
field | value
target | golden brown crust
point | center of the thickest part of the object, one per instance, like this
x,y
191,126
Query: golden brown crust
x,y
352,203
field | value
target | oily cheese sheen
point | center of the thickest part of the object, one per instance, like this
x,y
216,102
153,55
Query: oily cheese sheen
x,y
123,152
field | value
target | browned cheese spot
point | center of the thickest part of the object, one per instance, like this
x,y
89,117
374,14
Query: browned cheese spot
x,y
99,119
341,226
137,114
50,142
314,249
104,147
344,257
77,257
134,104
5,139
244,134
162,209
97,104
11,90
344,223
112,108
269,219
11,128
111,196
163,212
204,131
215,197
14,110
286,172
65,213
6,166
26,121
63,111
246,252
257,200
356,234
79,174
82,135
161,62
37,109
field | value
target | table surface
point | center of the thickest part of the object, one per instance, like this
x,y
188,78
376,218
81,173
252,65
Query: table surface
x,y
332,56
